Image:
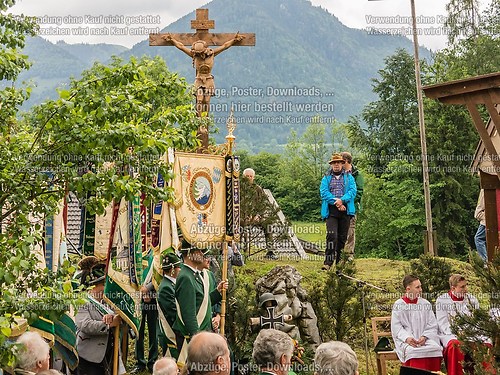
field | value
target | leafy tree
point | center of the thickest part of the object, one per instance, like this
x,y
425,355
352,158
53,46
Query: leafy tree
x,y
302,168
473,47
266,167
115,121
483,323
392,221
339,136
392,121
463,19
13,32
338,305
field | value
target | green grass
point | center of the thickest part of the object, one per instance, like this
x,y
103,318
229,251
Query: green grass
x,y
384,273
312,232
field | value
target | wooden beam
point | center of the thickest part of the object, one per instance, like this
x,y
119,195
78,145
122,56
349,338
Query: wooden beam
x,y
212,39
463,86
476,97
202,23
490,183
483,133
492,110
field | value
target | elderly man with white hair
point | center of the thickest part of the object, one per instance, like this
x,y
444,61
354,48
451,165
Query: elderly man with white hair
x,y
34,354
272,352
165,366
335,358
208,354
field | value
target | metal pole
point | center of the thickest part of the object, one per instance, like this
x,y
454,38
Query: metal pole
x,y
423,140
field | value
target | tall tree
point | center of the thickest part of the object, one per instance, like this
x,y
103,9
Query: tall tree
x,y
302,167
116,118
391,130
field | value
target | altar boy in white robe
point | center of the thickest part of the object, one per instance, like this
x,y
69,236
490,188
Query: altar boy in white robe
x,y
414,328
457,300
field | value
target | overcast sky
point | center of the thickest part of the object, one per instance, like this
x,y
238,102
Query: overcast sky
x,y
69,15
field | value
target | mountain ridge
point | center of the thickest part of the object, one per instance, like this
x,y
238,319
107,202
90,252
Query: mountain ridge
x,y
298,45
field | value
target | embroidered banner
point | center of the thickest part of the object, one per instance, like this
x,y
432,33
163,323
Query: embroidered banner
x,y
200,197
124,265
236,198
55,247
164,237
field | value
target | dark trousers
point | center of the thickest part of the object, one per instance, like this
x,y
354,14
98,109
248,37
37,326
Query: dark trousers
x,y
337,226
149,316
104,368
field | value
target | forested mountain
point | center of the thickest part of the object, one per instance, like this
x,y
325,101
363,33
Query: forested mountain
x,y
305,63
54,64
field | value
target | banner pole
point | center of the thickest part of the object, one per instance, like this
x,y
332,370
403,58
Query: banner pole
x,y
116,349
231,126
224,291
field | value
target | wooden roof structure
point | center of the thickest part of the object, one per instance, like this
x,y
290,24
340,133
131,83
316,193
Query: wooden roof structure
x,y
473,92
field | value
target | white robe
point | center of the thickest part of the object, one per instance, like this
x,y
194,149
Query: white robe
x,y
446,309
414,320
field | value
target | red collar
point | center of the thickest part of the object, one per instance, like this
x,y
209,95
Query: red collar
x,y
455,298
408,300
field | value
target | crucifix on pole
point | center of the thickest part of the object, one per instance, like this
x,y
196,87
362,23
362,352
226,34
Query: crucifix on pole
x,y
203,57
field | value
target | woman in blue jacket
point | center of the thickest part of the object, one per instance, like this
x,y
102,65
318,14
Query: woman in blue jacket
x,y
338,190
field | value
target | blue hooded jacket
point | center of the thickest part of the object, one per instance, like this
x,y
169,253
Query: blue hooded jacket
x,y
328,198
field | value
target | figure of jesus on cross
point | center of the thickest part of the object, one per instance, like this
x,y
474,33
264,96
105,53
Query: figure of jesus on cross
x,y
203,57
203,61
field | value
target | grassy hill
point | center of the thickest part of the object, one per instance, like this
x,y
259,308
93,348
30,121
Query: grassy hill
x,y
384,273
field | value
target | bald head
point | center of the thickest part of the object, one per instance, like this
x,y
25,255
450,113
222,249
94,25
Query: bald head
x,y
165,366
208,353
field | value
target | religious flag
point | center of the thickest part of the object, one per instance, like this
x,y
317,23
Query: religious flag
x,y
87,233
228,174
101,233
95,232
124,262
164,237
200,200
236,198
55,247
45,327
65,340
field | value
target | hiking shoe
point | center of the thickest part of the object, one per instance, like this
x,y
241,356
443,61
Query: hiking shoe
x,y
325,267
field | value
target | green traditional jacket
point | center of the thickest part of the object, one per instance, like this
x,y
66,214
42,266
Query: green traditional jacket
x,y
189,295
167,315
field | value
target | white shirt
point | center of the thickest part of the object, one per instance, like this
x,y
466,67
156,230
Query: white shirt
x,y
414,320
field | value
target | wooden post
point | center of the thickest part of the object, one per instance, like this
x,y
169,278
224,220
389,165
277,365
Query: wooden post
x,y
116,349
224,291
423,140
490,184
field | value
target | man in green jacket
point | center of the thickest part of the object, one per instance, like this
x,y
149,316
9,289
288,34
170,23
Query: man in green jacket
x,y
360,182
195,293
167,311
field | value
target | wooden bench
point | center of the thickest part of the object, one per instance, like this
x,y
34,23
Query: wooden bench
x,y
381,327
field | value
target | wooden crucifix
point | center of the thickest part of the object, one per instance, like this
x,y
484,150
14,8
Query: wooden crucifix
x,y
203,57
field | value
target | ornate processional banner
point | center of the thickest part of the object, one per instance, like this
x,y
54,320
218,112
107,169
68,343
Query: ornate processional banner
x,y
200,199
124,268
164,236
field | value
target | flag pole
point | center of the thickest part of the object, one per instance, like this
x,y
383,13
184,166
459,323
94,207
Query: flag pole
x,y
116,349
423,140
231,126
224,291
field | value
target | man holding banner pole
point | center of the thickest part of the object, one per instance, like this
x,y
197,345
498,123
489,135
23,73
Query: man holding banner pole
x,y
194,295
